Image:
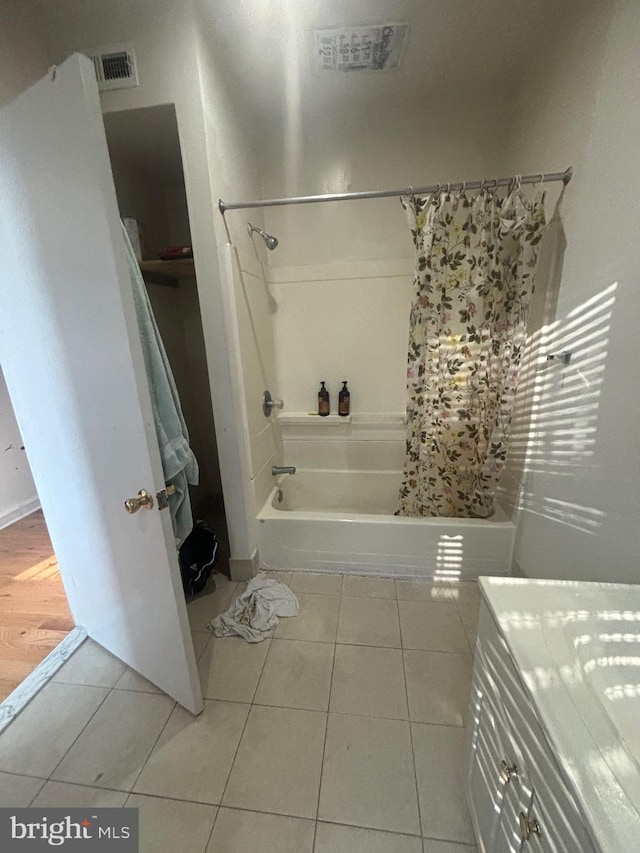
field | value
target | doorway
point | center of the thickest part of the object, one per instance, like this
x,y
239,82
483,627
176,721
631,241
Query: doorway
x,y
79,388
34,612
144,150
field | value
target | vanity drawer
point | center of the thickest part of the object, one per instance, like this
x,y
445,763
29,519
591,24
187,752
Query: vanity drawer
x,y
536,821
544,836
562,828
560,818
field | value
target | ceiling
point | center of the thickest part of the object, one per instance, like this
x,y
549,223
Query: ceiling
x,y
455,48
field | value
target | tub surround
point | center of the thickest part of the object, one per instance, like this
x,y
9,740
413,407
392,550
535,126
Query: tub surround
x,y
566,673
370,441
337,320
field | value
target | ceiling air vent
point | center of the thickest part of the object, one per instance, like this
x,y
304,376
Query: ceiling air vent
x,y
377,48
115,66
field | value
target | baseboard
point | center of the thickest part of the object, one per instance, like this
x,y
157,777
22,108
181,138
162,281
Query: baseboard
x,y
41,675
516,571
19,512
244,570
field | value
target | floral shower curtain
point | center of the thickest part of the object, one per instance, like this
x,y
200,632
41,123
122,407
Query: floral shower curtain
x,y
476,263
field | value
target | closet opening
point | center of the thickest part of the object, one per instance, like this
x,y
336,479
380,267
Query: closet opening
x,y
146,161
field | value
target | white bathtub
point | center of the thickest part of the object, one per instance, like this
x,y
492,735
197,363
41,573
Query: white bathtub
x,y
331,521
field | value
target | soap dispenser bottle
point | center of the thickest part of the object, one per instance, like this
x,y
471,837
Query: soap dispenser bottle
x,y
323,401
344,399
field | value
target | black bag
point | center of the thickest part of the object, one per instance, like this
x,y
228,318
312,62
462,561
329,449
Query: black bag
x,y
198,556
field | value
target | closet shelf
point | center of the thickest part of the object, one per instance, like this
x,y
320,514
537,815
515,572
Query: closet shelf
x,y
168,272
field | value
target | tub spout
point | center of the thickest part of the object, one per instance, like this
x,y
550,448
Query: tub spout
x,y
283,469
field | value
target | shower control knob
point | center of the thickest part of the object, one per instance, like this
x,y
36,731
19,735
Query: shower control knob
x,y
268,404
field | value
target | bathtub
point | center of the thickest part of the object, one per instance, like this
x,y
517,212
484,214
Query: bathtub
x,y
328,521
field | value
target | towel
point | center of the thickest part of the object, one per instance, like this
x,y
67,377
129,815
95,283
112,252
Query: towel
x,y
178,462
255,613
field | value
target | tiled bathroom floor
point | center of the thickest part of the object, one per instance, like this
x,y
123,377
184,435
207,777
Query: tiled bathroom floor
x,y
343,733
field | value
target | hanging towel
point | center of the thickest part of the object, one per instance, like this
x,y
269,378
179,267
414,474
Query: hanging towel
x,y
178,462
254,613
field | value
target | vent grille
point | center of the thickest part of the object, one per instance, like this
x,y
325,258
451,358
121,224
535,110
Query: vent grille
x,y
115,66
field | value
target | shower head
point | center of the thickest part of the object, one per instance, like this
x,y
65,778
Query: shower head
x,y
270,242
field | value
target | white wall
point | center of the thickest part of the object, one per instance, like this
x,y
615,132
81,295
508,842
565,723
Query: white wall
x,y
199,411
23,60
143,198
234,173
23,50
340,280
580,466
18,496
175,199
374,146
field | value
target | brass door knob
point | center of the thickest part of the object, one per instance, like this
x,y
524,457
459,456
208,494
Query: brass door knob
x,y
144,499
528,827
507,771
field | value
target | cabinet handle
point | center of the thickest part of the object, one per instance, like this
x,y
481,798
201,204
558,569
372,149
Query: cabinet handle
x,y
507,771
528,827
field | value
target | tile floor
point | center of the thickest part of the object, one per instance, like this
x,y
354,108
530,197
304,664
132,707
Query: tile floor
x,y
341,733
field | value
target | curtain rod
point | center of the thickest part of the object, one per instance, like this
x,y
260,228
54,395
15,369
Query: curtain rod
x,y
542,177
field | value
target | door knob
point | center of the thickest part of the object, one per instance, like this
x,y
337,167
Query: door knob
x,y
528,827
144,499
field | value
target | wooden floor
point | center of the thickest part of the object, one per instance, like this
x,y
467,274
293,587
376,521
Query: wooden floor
x,y
34,614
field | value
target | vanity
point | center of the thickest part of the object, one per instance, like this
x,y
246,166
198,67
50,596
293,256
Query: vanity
x,y
553,736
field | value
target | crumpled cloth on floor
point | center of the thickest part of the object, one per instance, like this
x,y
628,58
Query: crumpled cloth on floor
x,y
255,613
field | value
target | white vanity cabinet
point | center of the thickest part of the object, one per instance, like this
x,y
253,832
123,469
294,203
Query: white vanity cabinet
x,y
517,794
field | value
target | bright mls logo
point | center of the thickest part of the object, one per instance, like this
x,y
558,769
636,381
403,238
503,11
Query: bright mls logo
x,y
35,830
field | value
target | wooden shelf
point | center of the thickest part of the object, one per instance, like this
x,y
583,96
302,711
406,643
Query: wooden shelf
x,y
168,272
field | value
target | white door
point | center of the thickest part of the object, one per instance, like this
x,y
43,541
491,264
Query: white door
x,y
71,356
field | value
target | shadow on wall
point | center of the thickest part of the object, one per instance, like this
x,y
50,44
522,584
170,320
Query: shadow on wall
x,y
557,433
554,428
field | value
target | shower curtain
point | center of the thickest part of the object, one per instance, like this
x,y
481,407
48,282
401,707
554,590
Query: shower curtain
x,y
475,270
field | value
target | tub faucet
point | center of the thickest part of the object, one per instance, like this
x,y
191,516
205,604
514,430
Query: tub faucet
x,y
283,469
